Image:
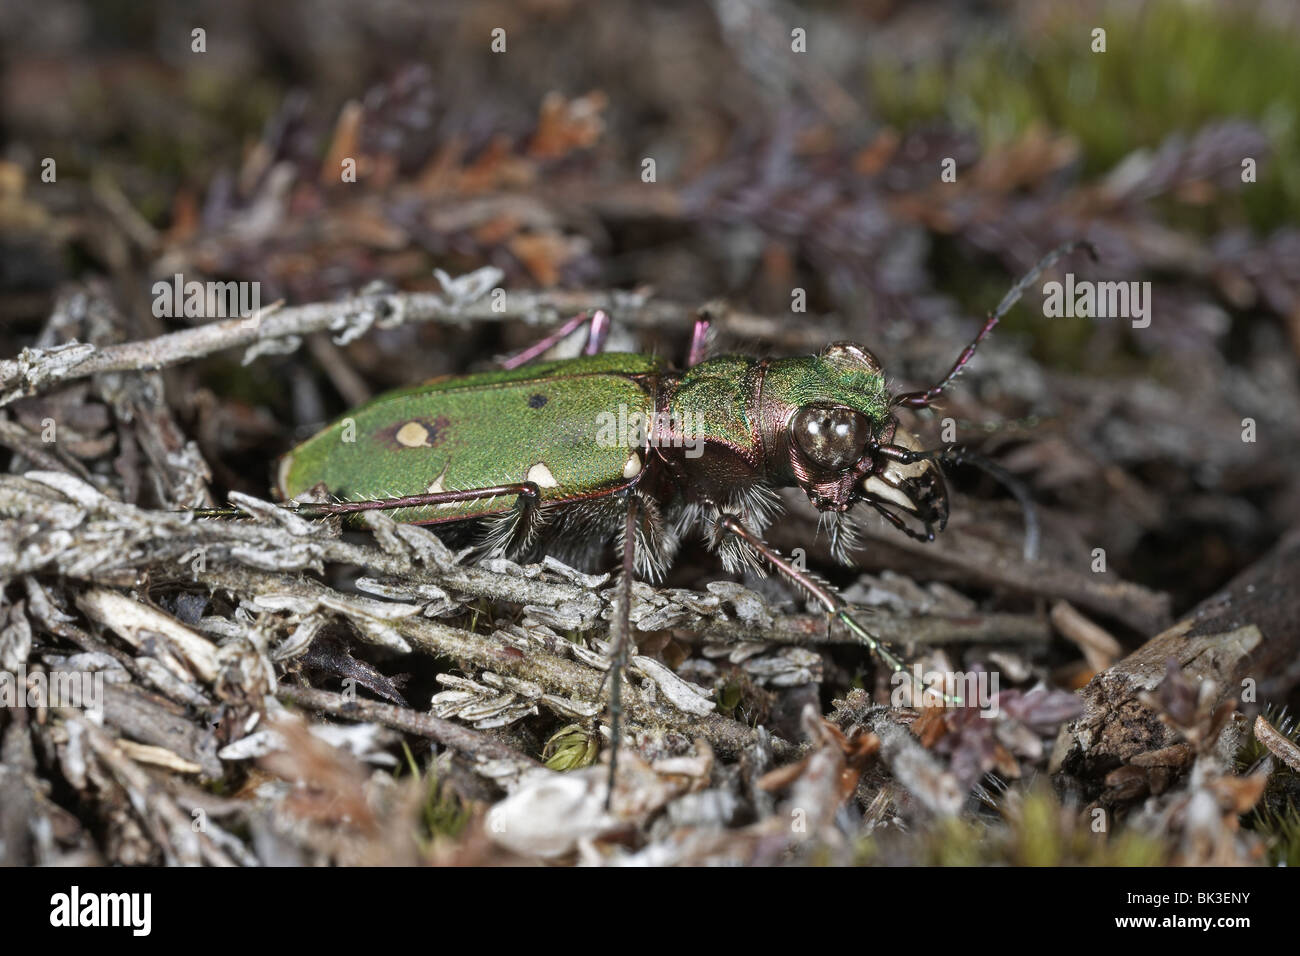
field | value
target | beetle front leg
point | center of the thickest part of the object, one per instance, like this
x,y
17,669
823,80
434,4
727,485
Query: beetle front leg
x,y
835,605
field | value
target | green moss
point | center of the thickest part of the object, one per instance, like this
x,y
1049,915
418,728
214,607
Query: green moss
x,y
1252,751
570,748
957,842
442,813
1168,67
730,695
1037,830
1276,818
1281,833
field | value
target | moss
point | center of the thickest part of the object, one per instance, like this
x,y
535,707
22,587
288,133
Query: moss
x,y
730,695
570,748
1276,818
1167,68
1252,751
957,842
442,812
1281,833
1037,830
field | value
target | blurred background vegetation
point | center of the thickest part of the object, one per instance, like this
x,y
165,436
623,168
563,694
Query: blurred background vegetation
x,y
775,170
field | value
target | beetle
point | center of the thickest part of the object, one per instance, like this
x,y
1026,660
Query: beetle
x,y
570,457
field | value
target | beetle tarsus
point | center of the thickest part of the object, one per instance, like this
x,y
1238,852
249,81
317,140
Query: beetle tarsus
x,y
218,513
525,489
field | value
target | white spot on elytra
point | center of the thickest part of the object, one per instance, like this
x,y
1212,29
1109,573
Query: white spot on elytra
x,y
436,487
541,476
282,477
633,466
413,435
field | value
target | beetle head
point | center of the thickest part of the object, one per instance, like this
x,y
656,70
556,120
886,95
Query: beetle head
x,y
846,447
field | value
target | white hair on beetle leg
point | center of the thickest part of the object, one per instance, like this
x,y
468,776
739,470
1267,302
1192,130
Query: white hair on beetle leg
x,y
656,543
844,533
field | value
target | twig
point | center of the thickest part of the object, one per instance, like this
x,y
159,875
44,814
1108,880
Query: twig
x,y
555,674
980,561
810,630
1098,647
464,300
446,732
1278,744
170,826
1248,631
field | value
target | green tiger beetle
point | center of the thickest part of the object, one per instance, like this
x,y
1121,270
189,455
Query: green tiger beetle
x,y
569,457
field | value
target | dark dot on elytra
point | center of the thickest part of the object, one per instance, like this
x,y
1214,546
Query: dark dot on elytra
x,y
536,401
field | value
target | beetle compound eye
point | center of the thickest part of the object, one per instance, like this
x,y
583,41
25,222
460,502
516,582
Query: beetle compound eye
x,y
832,437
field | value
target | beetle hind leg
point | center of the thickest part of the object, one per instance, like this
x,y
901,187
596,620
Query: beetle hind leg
x,y
622,641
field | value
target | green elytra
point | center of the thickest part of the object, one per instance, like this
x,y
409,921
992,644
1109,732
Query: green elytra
x,y
536,423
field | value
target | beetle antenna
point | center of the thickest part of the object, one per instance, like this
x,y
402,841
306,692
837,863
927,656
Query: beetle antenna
x,y
926,398
1019,490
